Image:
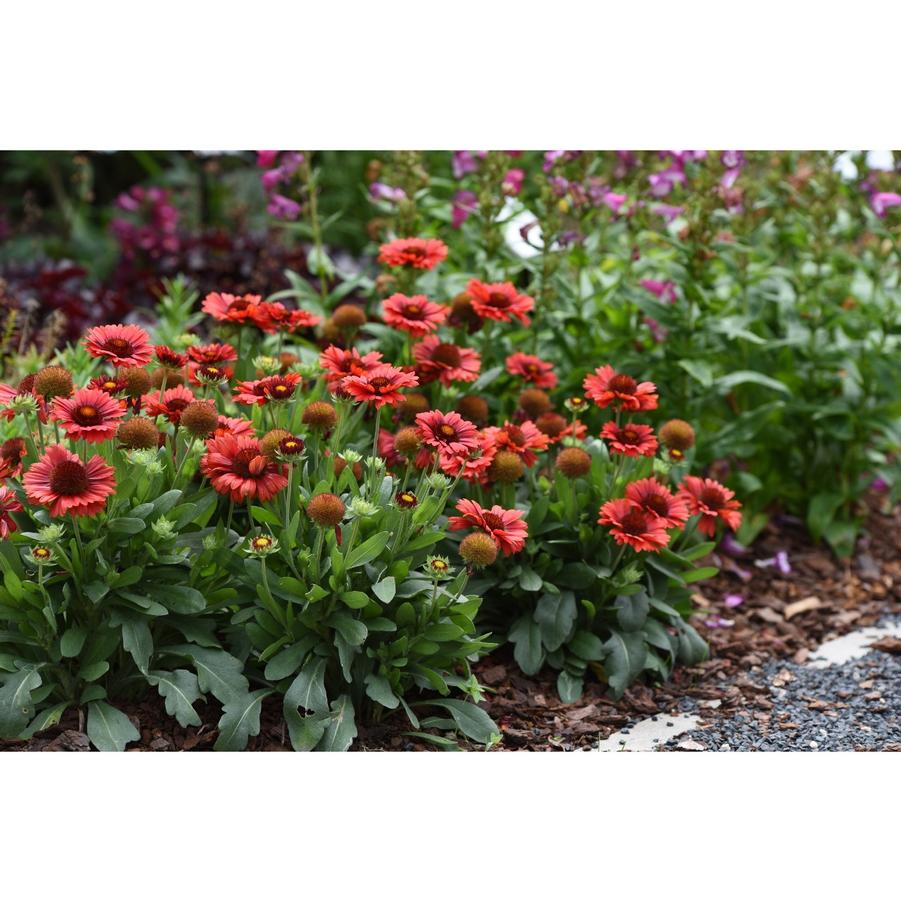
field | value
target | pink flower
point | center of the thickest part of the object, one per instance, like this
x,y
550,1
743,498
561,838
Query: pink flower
x,y
614,201
266,158
282,207
512,183
733,600
463,162
380,191
883,200
666,291
663,182
668,211
464,206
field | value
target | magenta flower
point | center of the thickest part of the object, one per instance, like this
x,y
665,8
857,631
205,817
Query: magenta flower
x,y
733,600
464,206
266,158
665,291
884,200
668,211
658,332
282,207
463,162
512,183
663,182
614,201
780,561
380,191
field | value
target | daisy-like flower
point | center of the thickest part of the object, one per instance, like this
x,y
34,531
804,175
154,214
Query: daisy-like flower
x,y
631,525
230,308
631,439
90,414
522,439
506,527
171,405
169,358
380,386
339,363
532,369
212,354
251,392
109,384
606,386
229,425
499,300
301,319
446,363
473,468
62,482
417,253
238,467
209,373
11,453
712,501
122,345
416,315
652,497
9,504
449,433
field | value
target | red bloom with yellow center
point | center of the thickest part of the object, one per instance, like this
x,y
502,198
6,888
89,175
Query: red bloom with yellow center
x,y
522,439
209,373
712,501
532,369
506,527
89,414
416,315
171,405
339,363
499,301
251,392
631,439
449,433
417,253
60,481
380,386
446,363
212,354
169,358
238,467
230,308
122,345
631,525
606,386
9,504
109,384
652,497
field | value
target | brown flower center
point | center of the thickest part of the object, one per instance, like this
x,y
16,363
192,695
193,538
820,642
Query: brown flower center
x,y
413,311
712,498
118,345
448,431
515,435
247,463
629,436
87,415
622,384
634,523
379,383
493,521
238,306
447,354
657,503
68,478
498,299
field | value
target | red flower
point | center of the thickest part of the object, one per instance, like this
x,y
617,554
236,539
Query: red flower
x,y
445,362
60,481
532,369
237,467
229,308
174,400
631,525
301,319
506,527
209,373
499,300
380,386
229,425
8,394
416,315
606,386
339,363
471,468
11,453
109,384
168,357
122,345
712,501
271,388
449,433
652,497
212,353
250,393
9,504
386,449
271,317
90,413
419,253
523,440
632,439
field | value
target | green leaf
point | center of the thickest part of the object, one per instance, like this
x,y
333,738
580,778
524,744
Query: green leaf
x,y
699,574
341,730
443,632
748,376
72,641
472,721
180,689
368,550
527,648
529,580
356,600
586,645
126,525
286,662
569,687
821,511
307,691
260,514
217,671
350,629
178,598
699,370
385,590
379,689
16,705
240,720
692,648
624,660
45,719
632,611
108,728
556,615
136,639
91,671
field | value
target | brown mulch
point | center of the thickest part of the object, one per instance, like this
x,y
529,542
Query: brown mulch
x,y
783,616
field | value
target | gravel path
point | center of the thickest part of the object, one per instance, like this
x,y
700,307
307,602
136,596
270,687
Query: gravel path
x,y
852,706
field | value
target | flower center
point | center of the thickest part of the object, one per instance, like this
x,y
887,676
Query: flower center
x,y
41,553
68,478
634,522
447,354
498,299
629,436
416,252
413,311
118,345
448,431
622,384
262,543
531,368
379,383
244,463
712,498
493,521
515,435
239,305
87,415
657,503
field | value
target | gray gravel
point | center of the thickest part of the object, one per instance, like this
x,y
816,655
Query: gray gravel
x,y
855,706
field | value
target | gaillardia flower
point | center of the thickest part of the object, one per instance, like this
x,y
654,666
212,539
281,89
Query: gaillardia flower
x,y
523,439
499,301
122,345
60,481
605,386
339,363
416,315
239,468
449,433
171,405
380,386
631,439
9,504
631,525
712,501
446,363
90,415
506,527
417,253
652,497
229,308
532,369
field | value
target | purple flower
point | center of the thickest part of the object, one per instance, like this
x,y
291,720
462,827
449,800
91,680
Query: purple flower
x,y
266,158
658,332
614,201
665,291
780,561
668,211
731,547
463,207
462,163
272,179
883,200
282,207
733,159
512,183
879,484
380,191
733,600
